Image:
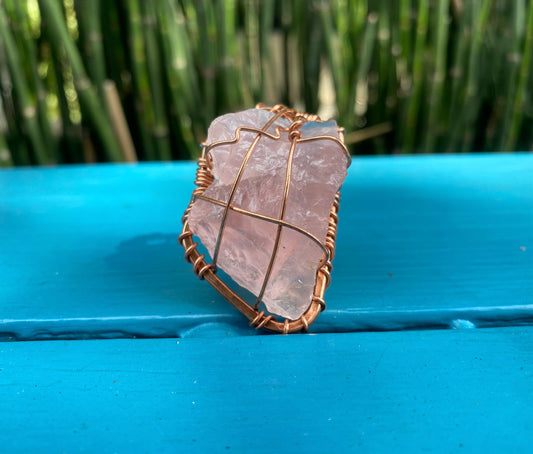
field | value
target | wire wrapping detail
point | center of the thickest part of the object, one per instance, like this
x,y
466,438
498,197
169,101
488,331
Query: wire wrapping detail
x,y
207,271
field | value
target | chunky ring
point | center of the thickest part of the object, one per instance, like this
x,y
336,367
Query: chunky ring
x,y
265,211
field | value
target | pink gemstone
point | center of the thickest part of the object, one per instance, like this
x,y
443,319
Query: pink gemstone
x,y
318,170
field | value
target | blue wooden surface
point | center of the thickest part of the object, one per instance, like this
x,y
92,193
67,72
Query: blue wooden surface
x,y
424,242
430,241
439,391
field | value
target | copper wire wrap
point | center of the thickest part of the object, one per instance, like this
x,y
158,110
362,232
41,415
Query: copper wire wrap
x,y
207,271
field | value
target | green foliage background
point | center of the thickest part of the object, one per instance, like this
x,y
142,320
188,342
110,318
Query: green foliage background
x,y
404,76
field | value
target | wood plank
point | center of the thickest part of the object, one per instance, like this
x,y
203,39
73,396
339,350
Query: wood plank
x,y
429,241
435,240
439,391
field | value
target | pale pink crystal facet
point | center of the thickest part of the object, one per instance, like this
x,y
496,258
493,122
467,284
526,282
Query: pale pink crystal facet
x,y
318,170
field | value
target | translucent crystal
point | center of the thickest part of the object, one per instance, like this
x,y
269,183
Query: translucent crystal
x,y
318,170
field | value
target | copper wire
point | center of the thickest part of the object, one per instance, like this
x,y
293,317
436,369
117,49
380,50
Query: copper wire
x,y
204,178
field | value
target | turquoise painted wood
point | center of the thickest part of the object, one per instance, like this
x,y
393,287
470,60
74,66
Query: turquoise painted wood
x,y
424,242
432,241
442,391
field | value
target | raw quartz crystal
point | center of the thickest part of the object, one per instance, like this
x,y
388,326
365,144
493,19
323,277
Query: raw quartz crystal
x,y
318,170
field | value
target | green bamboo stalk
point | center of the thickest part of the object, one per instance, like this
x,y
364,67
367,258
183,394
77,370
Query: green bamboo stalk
x,y
395,90
340,13
59,81
357,13
88,13
18,29
311,61
382,93
457,72
115,52
472,98
523,89
27,105
413,112
15,138
383,61
350,22
190,14
114,23
89,100
406,52
286,30
298,51
206,58
183,64
141,78
362,32
32,58
405,29
153,60
70,150
504,64
342,28
433,129
253,49
363,67
511,55
266,26
231,95
336,52
391,101
182,83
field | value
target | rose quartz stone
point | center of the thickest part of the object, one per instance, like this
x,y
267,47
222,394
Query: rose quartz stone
x,y
318,170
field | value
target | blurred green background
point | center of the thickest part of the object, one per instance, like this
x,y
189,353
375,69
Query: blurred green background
x,y
114,80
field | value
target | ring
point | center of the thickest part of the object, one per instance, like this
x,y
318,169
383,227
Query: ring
x,y
262,221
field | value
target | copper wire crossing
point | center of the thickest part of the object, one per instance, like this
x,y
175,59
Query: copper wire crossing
x,y
237,181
